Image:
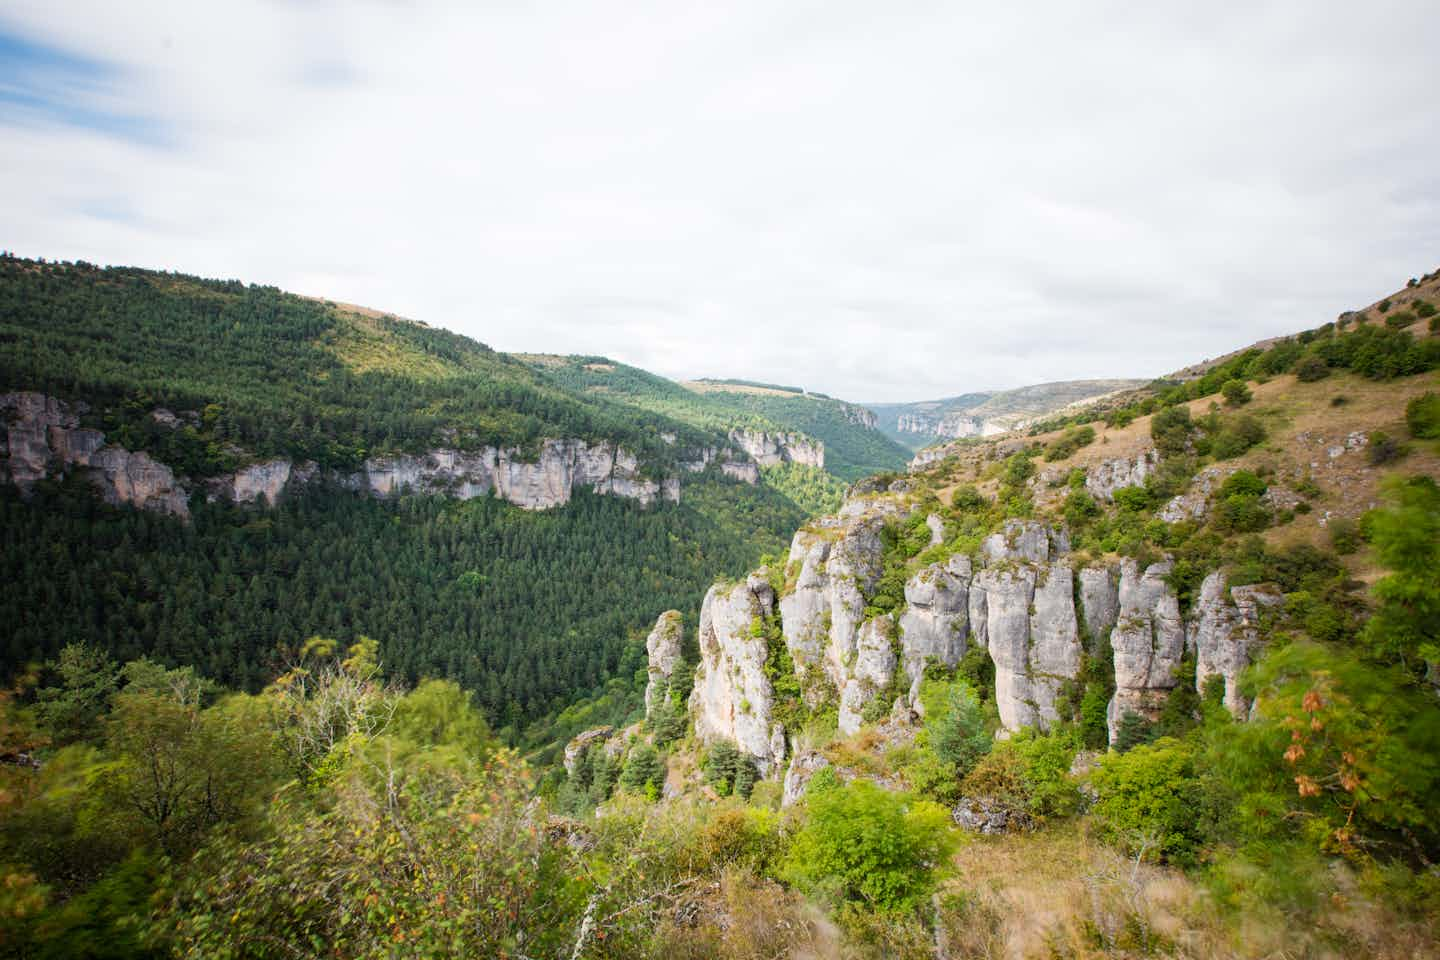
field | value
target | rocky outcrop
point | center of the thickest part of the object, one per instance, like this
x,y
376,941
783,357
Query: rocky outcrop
x,y
662,648
1107,476
769,449
859,415
991,816
936,622
871,673
1194,503
43,437
732,698
1099,602
583,742
562,466
1224,634
803,765
1148,642
731,464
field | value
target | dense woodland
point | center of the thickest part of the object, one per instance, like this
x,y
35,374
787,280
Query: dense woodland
x,y
528,609
278,374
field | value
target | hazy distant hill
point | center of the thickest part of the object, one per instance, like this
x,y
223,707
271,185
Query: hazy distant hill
x,y
986,413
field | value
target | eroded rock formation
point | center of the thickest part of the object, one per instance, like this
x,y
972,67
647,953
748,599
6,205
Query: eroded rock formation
x,y
1224,634
662,648
769,449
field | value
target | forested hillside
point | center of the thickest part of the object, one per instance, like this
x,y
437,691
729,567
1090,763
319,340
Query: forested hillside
x,y
531,610
853,448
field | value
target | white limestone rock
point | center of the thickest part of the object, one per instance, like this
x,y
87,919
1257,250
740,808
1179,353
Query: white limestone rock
x,y
584,741
770,449
662,648
1224,633
732,698
1148,642
1107,476
936,622
874,667
1099,601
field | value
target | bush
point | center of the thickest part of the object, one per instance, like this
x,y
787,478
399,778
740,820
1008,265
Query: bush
x,y
1424,309
1242,483
1400,319
1235,436
1068,442
1147,799
1422,416
1235,393
1311,368
863,844
1384,449
1028,771
1170,429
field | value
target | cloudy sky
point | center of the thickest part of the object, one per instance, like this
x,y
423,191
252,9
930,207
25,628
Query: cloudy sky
x,y
881,201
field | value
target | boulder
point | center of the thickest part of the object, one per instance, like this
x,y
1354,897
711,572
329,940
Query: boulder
x,y
662,648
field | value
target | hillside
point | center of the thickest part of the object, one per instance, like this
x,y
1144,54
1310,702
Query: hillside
x,y
304,468
853,447
987,413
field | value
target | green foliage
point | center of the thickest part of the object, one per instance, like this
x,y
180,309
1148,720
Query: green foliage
x,y
1234,435
1235,392
1242,483
954,739
1400,319
1422,416
1406,538
812,490
644,770
729,771
1311,368
1170,429
861,844
1147,798
1133,731
88,679
1070,441
1030,771
1383,449
546,616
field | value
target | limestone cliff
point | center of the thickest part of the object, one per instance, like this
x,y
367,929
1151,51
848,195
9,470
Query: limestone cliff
x,y
769,449
43,438
1224,634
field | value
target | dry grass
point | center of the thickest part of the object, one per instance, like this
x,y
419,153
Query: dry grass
x,y
700,386
1061,893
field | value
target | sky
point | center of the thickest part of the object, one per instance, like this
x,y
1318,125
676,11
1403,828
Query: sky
x,y
883,202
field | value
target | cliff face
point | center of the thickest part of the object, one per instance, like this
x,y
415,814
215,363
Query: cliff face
x,y
732,698
43,438
769,449
1024,599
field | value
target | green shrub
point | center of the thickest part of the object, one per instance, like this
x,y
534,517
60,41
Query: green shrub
x,y
1171,429
1243,483
1029,771
1235,392
1133,731
1383,449
1147,798
863,844
1422,416
1311,368
1424,309
1068,442
1400,319
1235,436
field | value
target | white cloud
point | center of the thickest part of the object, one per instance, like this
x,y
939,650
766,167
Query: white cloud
x,y
877,203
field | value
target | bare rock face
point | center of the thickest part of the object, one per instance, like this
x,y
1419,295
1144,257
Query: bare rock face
x,y
732,699
1024,541
936,622
991,816
583,742
873,669
936,527
1104,478
1008,594
44,436
769,449
1100,601
803,765
731,463
1194,503
1054,655
1148,640
1224,634
563,465
266,480
663,649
